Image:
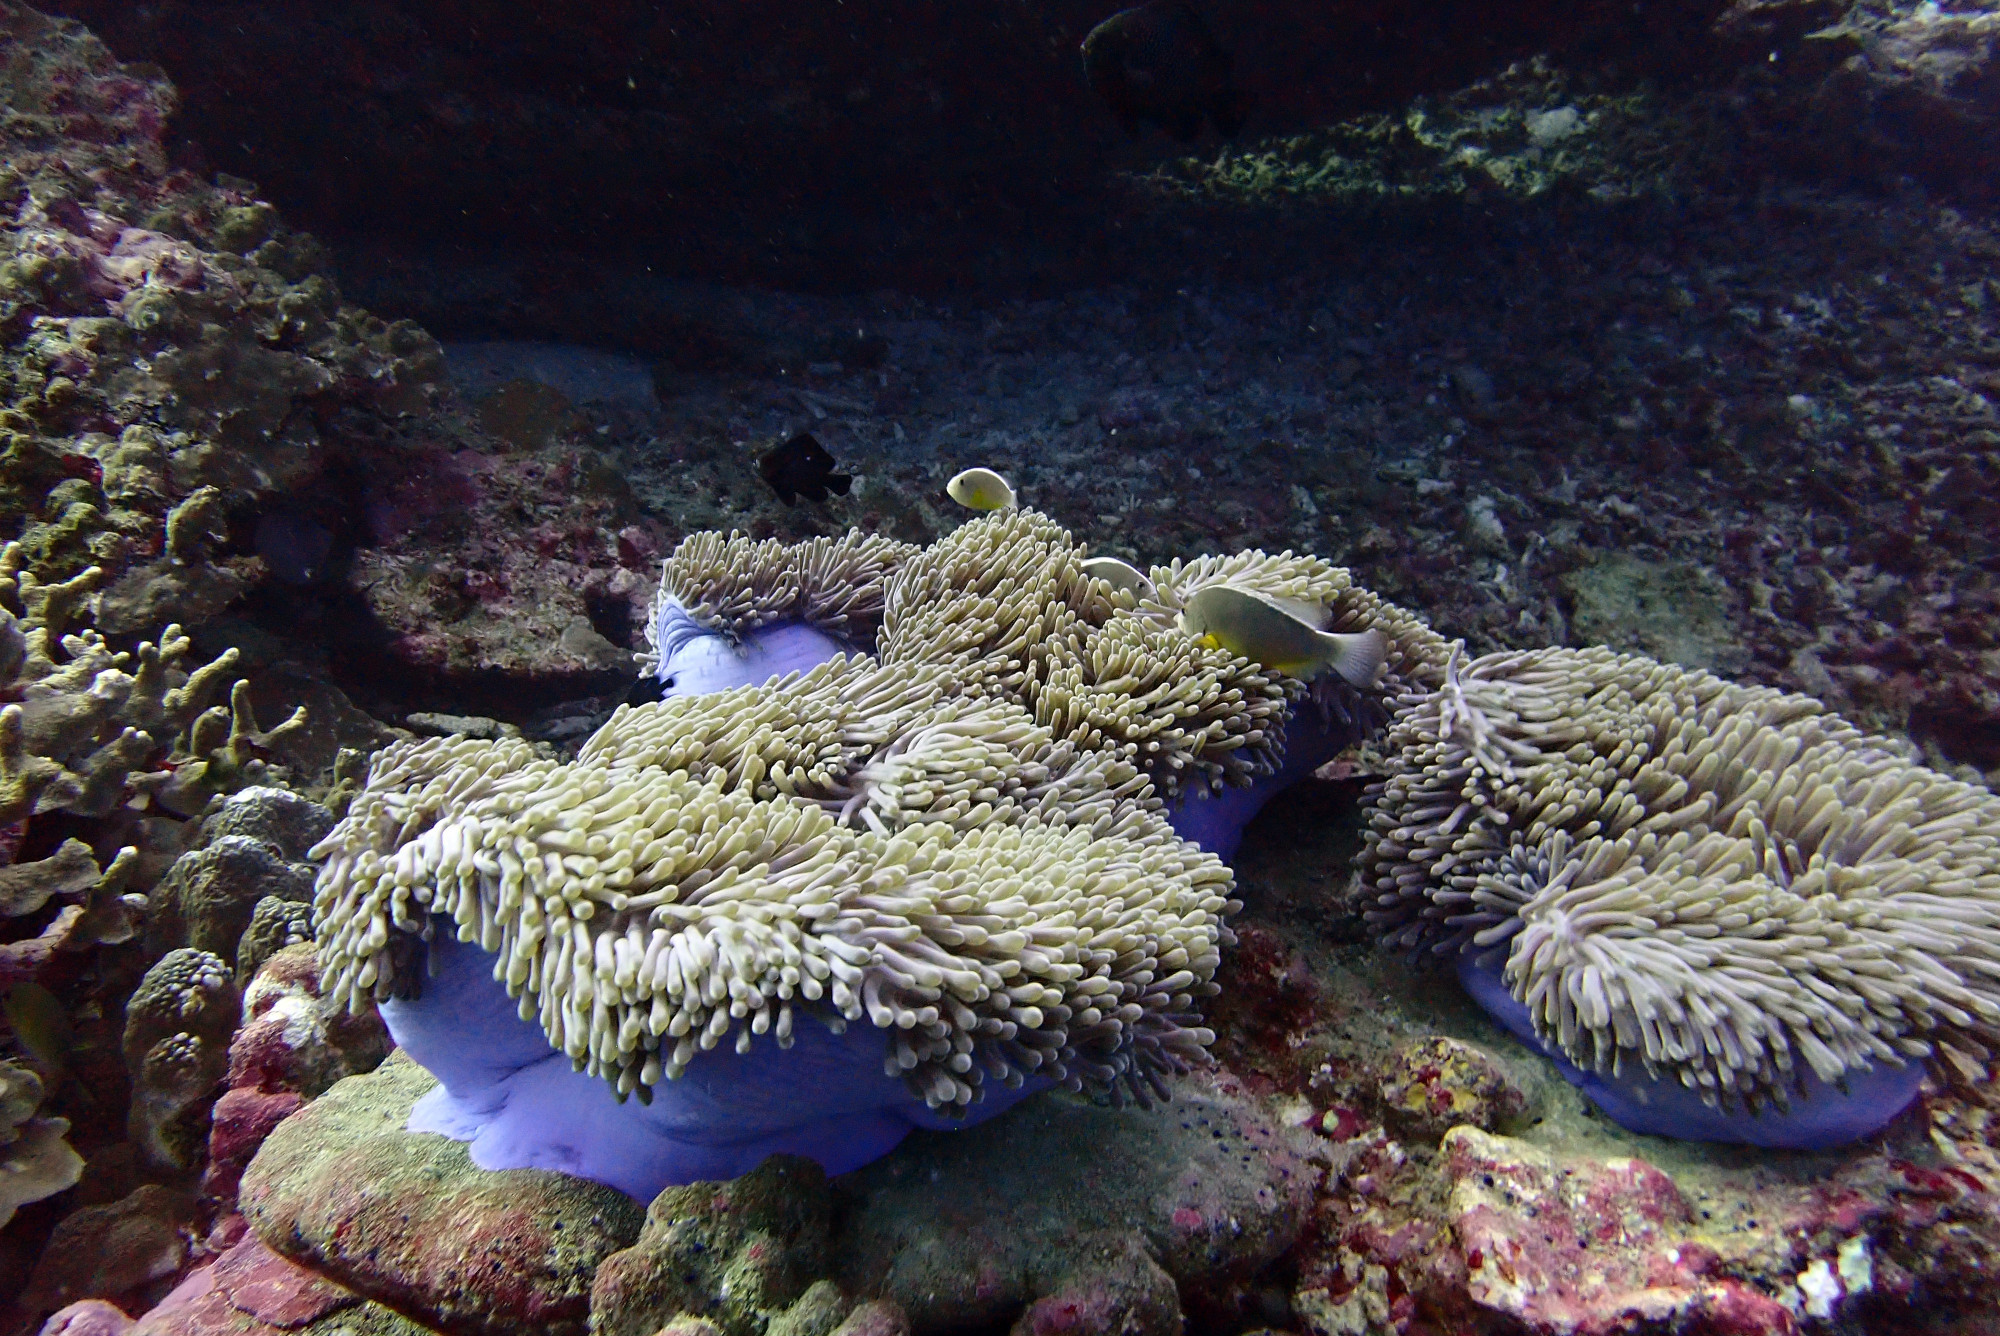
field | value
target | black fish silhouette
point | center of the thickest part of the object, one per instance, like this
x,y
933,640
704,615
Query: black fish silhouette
x,y
801,467
1158,62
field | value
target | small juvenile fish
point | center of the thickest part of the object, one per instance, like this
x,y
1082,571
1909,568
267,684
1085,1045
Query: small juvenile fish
x,y
1279,636
801,467
40,1022
980,489
1120,575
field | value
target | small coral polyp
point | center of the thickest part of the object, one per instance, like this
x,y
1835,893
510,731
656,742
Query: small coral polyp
x,y
808,912
1727,913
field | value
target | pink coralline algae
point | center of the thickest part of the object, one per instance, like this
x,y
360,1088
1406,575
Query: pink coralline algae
x,y
1581,1249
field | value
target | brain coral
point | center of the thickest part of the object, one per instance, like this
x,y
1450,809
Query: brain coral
x,y
1693,886
933,879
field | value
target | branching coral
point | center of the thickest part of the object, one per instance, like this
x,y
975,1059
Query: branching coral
x,y
94,906
35,1160
1724,885
92,728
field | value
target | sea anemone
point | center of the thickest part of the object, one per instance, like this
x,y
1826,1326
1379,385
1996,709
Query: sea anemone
x,y
1678,884
935,880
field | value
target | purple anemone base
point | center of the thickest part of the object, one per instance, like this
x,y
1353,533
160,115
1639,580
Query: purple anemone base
x,y
522,1105
1820,1116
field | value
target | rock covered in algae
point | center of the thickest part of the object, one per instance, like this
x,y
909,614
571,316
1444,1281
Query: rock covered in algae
x,y
1056,1200
964,1231
250,850
742,1256
407,1220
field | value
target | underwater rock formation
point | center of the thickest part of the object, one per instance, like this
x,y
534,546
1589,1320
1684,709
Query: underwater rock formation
x,y
177,1033
250,850
959,844
1732,915
292,1046
170,348
456,1247
1055,1203
741,1256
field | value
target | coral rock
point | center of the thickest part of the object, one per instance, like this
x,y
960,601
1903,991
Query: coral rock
x,y
967,1230
177,1034
1114,1288
733,1254
240,1122
88,1317
113,1250
251,1291
293,1039
249,1281
1534,1233
817,1312
406,1220
1436,1084
209,895
878,1317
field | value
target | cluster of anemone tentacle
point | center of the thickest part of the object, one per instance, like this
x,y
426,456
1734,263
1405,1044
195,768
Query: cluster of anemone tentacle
x,y
963,843
1725,885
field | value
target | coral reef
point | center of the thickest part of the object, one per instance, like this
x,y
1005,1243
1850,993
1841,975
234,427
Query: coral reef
x,y
1541,357
112,262
177,1033
292,1046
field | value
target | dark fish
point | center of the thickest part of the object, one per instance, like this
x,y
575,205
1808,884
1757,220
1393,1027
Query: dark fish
x,y
295,546
41,1022
801,467
1158,62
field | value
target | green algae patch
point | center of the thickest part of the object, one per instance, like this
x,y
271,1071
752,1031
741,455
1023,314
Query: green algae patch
x,y
1668,609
